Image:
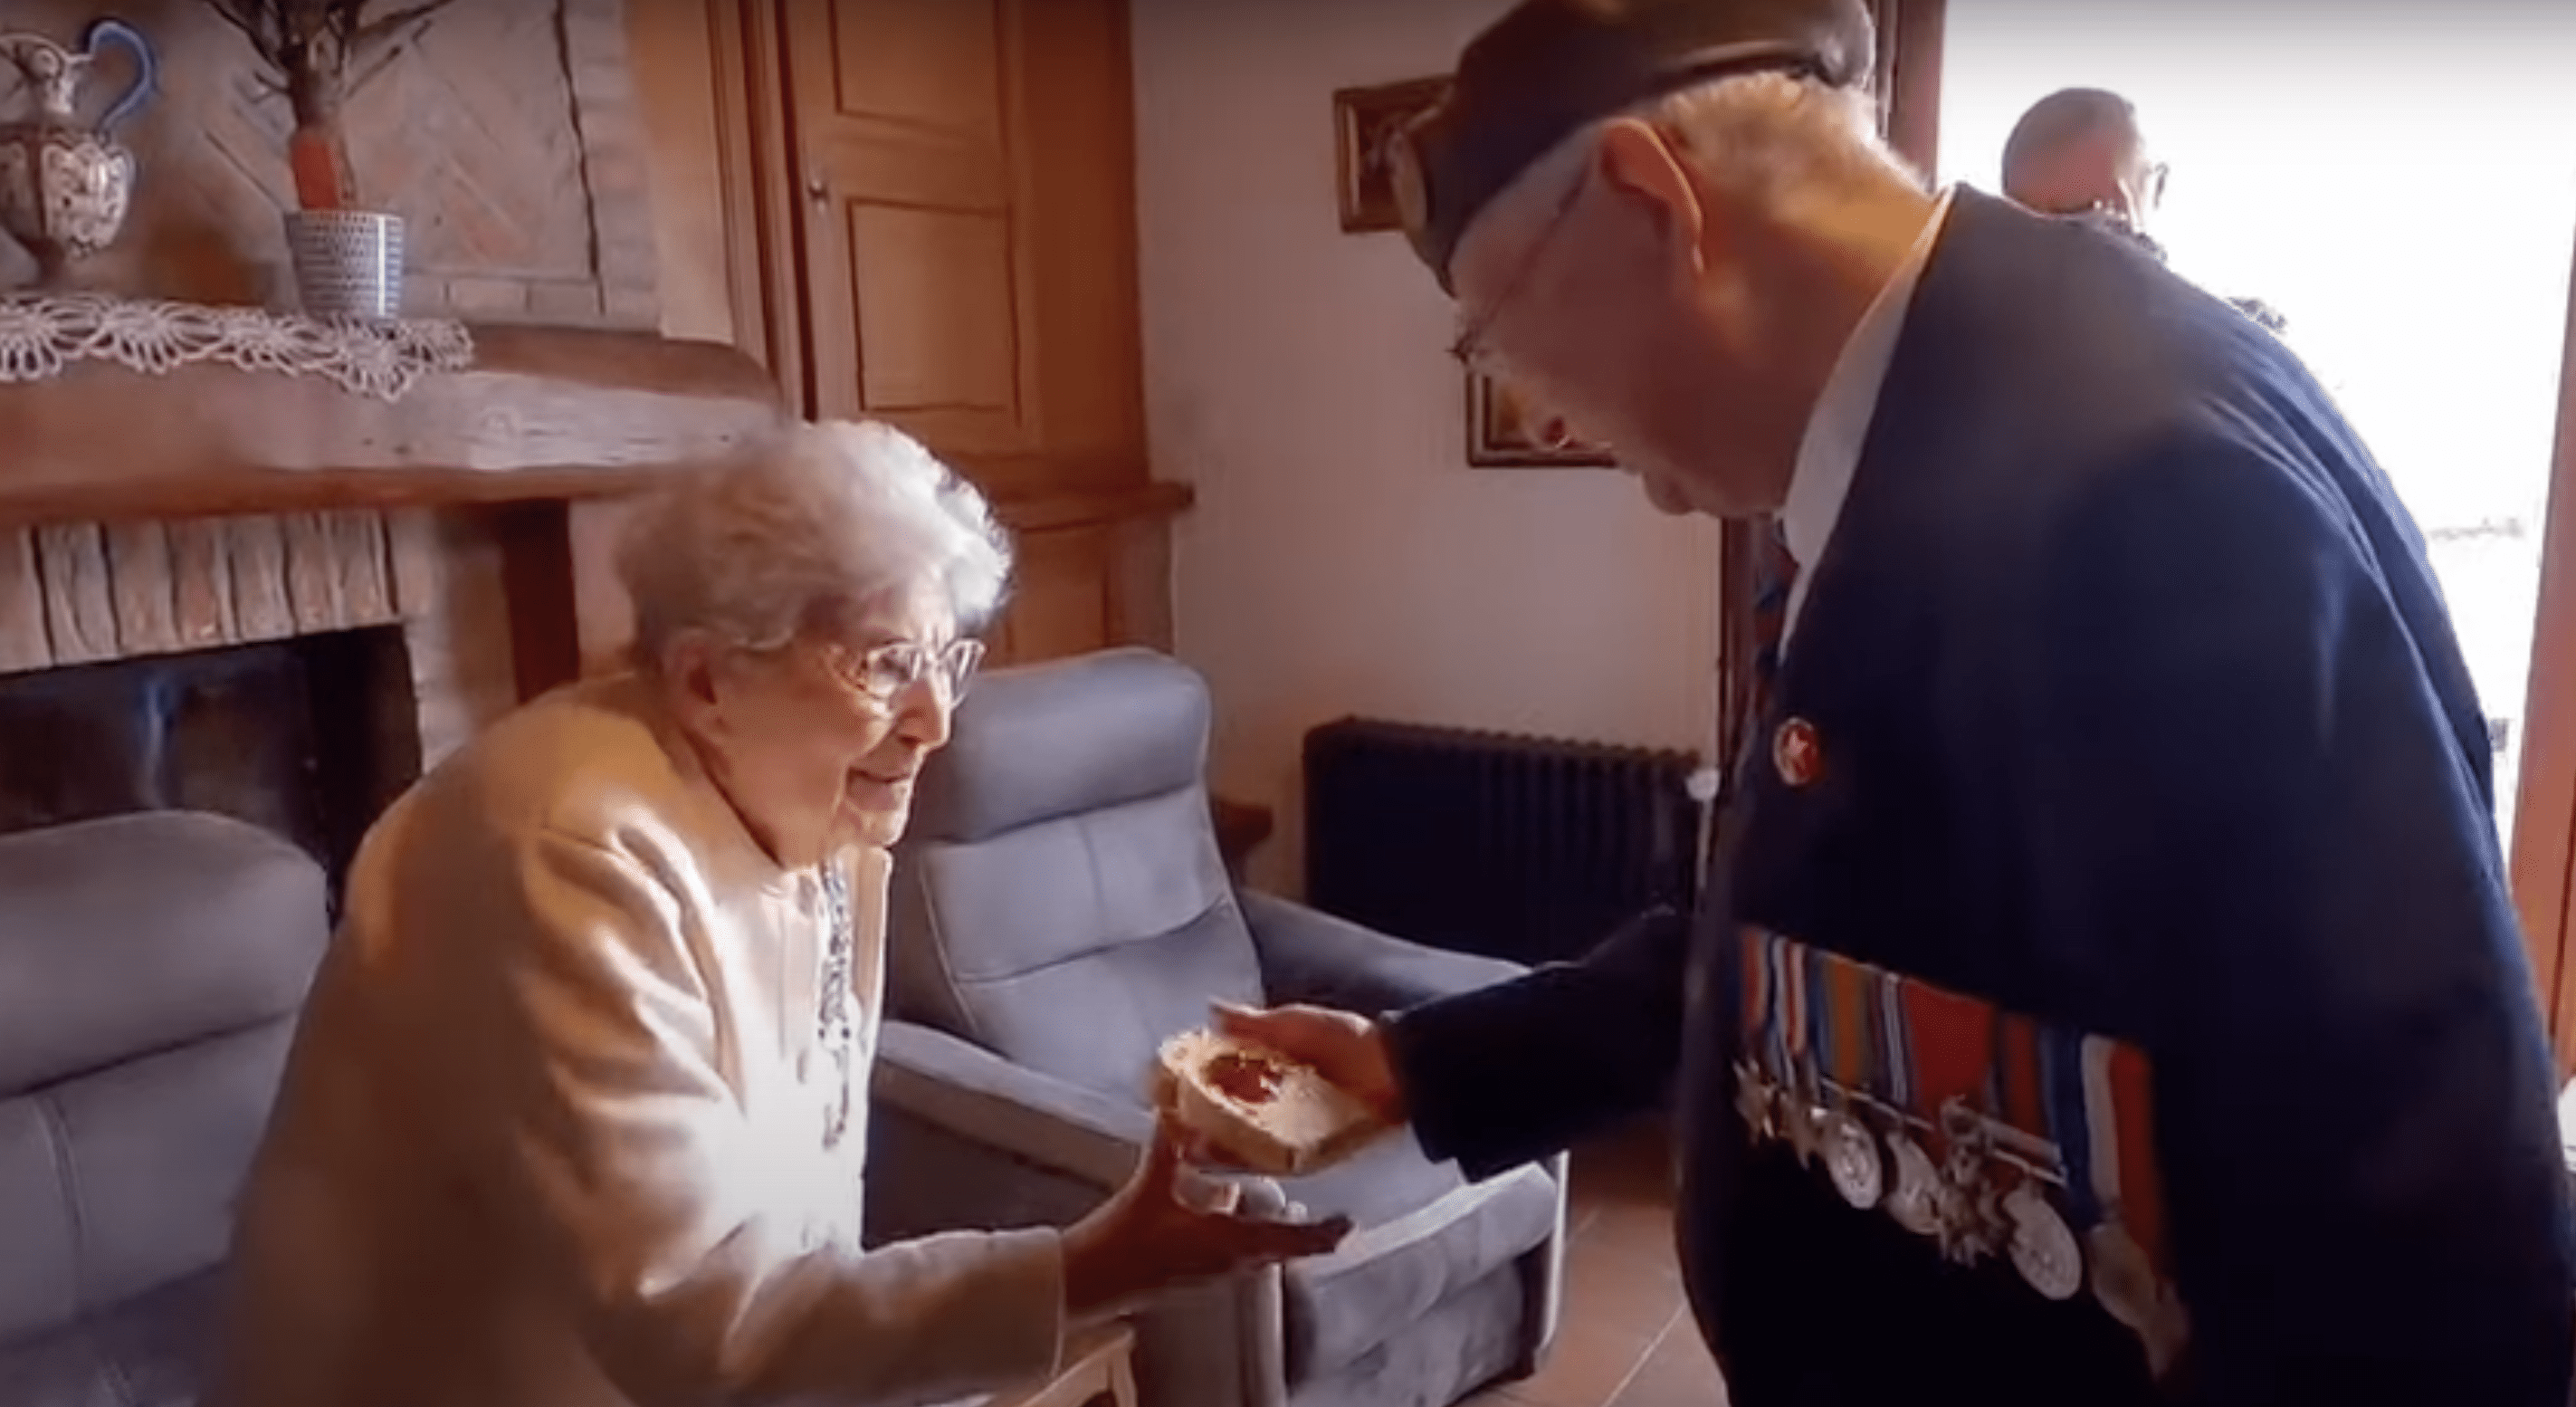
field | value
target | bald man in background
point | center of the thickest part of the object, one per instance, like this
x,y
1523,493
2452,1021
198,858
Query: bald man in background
x,y
2079,153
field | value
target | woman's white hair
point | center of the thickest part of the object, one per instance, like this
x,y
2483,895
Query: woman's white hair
x,y
838,516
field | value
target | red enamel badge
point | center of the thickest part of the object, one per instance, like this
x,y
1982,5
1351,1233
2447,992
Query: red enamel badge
x,y
1795,753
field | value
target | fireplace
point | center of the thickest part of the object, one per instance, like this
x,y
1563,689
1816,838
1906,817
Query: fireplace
x,y
309,737
263,595
293,670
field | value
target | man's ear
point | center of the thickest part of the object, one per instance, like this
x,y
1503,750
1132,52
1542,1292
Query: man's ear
x,y
1641,166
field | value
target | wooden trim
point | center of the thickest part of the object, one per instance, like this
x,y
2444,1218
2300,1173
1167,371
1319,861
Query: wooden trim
x,y
738,176
1909,75
1241,827
2544,846
537,575
542,413
1152,499
1017,50
773,198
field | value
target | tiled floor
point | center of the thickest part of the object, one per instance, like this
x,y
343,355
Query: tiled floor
x,y
1626,1339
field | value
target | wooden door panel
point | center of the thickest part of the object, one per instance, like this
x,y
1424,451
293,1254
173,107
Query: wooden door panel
x,y
939,346
931,64
1062,606
903,122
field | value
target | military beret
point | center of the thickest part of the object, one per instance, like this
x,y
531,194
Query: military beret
x,y
1550,67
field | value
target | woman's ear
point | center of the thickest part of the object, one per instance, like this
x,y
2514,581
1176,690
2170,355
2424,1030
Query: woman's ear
x,y
1641,167
692,667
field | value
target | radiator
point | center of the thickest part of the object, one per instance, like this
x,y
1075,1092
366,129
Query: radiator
x,y
1514,847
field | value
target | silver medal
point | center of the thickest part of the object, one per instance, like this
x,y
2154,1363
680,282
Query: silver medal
x,y
1972,1224
2043,1249
1754,1102
2126,1283
1799,1119
1914,1201
1851,1160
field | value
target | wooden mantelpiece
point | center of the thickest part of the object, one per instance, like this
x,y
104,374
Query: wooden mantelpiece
x,y
147,514
545,413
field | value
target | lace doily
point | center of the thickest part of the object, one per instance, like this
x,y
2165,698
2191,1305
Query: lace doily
x,y
40,334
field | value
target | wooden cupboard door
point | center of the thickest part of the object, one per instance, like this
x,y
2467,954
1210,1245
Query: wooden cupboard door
x,y
1062,599
903,120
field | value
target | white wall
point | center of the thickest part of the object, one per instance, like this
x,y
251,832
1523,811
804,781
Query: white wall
x,y
1342,557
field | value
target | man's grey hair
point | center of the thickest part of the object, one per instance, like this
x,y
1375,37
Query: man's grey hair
x,y
838,516
1760,135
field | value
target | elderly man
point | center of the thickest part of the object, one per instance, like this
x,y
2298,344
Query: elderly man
x,y
2109,993
2079,152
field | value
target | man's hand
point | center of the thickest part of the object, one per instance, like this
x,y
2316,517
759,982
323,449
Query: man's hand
x,y
1348,1050
1147,1238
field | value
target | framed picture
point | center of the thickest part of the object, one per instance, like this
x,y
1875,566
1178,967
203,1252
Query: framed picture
x,y
1502,435
1363,121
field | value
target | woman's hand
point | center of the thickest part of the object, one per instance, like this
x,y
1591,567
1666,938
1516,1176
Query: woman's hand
x,y
1147,1238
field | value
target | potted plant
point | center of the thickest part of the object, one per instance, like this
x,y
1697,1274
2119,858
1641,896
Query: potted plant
x,y
318,54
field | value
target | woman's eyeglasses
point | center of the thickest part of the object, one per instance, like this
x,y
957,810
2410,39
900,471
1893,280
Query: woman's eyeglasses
x,y
884,672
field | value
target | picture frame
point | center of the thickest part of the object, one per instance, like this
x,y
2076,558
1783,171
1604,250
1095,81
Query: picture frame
x,y
1499,435
1364,119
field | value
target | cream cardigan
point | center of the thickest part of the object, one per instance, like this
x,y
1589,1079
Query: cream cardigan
x,y
551,1135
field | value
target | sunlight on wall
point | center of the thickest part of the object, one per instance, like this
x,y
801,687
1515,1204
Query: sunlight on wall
x,y
2412,220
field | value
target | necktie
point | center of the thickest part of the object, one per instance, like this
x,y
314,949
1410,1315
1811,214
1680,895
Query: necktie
x,y
1775,576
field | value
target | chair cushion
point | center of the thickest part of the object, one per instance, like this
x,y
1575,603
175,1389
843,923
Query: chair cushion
x,y
1468,1340
1048,740
1074,947
1423,1236
1060,900
137,933
147,1352
150,969
117,1183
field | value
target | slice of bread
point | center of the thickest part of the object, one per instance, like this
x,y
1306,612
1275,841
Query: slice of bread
x,y
1265,1111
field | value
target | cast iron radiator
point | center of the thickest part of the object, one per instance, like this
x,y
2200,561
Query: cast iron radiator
x,y
1514,847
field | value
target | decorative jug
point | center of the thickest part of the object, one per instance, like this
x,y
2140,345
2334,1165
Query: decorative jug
x,y
64,188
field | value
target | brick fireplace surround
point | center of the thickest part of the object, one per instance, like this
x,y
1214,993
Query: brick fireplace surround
x,y
154,516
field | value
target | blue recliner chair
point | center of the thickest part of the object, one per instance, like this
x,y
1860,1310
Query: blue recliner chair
x,y
1060,909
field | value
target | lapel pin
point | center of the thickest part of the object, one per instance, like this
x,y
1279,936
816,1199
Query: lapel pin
x,y
1794,752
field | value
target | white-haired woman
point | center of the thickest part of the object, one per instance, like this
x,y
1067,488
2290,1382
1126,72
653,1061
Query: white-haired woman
x,y
577,1109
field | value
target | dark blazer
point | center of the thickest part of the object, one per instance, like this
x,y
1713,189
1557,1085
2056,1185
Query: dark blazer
x,y
2138,710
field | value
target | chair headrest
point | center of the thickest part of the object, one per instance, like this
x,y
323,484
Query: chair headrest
x,y
133,934
1041,741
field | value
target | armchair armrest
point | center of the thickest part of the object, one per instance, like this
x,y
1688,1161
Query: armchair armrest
x,y
963,1137
1308,956
960,1088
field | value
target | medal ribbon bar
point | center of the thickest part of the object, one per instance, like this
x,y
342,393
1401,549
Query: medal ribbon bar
x,y
2041,1137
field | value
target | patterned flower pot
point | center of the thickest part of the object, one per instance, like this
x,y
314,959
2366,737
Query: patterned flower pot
x,y
348,263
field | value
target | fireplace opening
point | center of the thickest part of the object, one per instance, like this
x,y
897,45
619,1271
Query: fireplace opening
x,y
309,737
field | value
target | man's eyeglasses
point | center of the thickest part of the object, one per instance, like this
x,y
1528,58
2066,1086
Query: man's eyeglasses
x,y
883,673
1471,349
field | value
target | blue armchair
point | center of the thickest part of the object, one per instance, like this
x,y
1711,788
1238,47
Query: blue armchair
x,y
1060,909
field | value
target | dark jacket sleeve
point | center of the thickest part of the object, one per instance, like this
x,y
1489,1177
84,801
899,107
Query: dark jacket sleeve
x,y
1499,1076
2254,799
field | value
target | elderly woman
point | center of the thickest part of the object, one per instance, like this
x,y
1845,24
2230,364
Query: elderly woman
x,y
577,1111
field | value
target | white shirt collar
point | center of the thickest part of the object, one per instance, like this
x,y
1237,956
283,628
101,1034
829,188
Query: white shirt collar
x,y
1838,428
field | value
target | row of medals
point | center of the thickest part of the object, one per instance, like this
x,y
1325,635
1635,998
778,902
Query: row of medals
x,y
1961,1202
